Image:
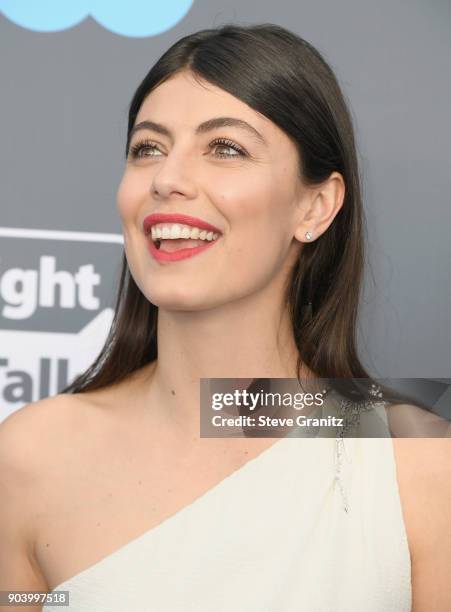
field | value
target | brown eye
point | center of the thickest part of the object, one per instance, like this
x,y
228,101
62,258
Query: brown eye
x,y
227,144
135,150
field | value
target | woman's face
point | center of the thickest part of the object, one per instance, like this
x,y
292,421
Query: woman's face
x,y
249,188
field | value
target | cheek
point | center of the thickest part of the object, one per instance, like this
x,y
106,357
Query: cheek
x,y
242,200
254,211
259,237
256,243
130,194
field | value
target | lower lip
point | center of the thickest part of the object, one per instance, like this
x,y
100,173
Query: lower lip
x,y
164,256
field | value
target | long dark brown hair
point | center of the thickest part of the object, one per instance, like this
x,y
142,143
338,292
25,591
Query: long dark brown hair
x,y
283,77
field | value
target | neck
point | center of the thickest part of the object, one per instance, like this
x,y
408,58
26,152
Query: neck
x,y
241,339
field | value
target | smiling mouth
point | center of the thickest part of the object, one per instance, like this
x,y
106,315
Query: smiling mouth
x,y
170,238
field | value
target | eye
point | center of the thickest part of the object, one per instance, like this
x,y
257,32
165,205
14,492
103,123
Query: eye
x,y
228,144
135,150
143,145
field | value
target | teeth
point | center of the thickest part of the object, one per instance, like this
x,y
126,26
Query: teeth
x,y
176,231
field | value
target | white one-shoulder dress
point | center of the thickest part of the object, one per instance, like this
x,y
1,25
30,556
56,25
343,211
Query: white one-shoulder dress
x,y
283,533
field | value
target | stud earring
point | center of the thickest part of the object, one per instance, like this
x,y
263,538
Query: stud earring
x,y
308,235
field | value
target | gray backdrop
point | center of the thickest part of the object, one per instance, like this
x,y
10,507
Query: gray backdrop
x,y
64,97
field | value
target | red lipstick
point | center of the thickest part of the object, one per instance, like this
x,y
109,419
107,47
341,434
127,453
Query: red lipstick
x,y
165,256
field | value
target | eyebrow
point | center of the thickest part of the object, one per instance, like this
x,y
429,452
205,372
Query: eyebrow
x,y
202,128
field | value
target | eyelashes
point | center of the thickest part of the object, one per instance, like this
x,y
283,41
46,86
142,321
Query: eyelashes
x,y
135,150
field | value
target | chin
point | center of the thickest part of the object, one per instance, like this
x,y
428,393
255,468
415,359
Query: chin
x,y
172,300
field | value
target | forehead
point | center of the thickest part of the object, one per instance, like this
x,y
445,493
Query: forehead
x,y
183,100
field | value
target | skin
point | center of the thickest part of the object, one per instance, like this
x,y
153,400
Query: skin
x,y
221,306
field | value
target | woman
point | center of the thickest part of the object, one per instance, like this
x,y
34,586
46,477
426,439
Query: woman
x,y
242,138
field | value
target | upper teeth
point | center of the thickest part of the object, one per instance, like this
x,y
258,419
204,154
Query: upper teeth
x,y
175,230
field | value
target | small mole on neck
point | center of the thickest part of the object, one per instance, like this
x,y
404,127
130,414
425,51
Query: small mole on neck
x,y
172,391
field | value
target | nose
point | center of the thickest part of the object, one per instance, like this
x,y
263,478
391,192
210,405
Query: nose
x,y
174,176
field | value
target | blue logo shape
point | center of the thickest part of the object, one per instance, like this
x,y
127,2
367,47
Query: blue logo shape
x,y
133,18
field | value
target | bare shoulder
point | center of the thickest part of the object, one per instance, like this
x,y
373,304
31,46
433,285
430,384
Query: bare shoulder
x,y
411,421
424,475
33,439
34,436
31,435
425,460
22,439
26,433
27,437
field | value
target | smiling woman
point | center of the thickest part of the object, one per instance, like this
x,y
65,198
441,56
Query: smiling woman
x,y
242,217
276,171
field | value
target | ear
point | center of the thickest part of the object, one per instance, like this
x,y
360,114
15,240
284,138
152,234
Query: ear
x,y
318,209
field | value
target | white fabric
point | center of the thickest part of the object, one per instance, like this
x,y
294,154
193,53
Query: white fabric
x,y
272,537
